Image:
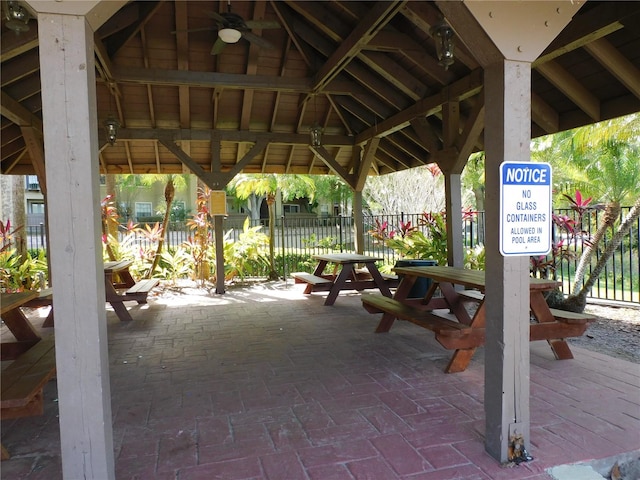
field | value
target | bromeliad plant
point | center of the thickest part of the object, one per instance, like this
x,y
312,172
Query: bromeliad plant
x,y
427,240
568,232
19,273
410,241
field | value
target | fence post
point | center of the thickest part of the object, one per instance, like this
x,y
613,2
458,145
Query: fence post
x,y
41,234
284,258
340,230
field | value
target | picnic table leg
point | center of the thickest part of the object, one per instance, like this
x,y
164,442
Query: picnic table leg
x,y
540,309
121,311
385,323
377,278
19,325
339,283
460,360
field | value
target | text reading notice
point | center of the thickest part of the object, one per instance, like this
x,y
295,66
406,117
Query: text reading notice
x,y
525,208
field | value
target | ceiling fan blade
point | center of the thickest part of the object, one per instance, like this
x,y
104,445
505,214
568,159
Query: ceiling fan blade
x,y
218,46
259,41
203,29
217,17
262,24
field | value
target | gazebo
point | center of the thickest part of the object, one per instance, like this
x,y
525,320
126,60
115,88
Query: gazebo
x,y
345,88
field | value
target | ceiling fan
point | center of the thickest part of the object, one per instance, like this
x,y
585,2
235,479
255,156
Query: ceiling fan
x,y
232,27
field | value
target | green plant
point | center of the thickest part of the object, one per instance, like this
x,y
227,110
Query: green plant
x,y
174,264
408,241
249,254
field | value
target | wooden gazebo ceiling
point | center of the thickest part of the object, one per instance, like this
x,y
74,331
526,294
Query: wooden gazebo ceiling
x,y
365,71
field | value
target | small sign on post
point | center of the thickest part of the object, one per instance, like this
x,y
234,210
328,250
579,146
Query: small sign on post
x,y
525,208
218,202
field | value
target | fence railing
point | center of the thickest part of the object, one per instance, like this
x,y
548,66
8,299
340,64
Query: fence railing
x,y
620,280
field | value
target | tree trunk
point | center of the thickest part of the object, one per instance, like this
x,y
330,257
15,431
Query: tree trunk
x,y
577,302
19,216
611,213
271,200
169,194
110,185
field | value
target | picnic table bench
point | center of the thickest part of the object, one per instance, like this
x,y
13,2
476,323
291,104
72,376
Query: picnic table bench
x,y
23,381
120,287
454,328
345,276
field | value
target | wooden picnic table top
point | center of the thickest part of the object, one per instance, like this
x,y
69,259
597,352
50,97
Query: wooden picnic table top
x,y
343,258
117,266
468,278
10,301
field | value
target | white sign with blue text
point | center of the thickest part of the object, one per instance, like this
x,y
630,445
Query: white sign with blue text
x,y
525,208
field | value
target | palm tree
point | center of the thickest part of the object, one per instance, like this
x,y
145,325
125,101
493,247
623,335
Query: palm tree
x,y
601,160
268,185
169,195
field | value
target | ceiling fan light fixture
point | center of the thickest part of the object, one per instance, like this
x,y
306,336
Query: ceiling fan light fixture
x,y
17,17
443,36
315,135
229,35
112,126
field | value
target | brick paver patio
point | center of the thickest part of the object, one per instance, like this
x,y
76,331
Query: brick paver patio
x,y
266,383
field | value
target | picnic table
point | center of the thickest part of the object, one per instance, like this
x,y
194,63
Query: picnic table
x,y
120,287
345,276
448,317
18,324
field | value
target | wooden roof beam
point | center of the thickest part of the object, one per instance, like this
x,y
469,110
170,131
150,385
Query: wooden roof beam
x,y
463,88
621,68
375,19
544,115
571,87
156,76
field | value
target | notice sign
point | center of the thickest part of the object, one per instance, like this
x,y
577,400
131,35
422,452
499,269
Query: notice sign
x,y
525,208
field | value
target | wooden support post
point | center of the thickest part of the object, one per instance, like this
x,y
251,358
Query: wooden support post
x,y
67,67
507,137
358,221
219,240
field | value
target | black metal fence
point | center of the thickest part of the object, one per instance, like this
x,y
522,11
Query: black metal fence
x,y
620,280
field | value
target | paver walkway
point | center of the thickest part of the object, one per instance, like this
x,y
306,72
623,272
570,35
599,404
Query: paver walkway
x,y
267,383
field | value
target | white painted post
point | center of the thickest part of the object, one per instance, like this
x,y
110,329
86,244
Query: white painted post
x,y
71,151
507,137
453,198
358,221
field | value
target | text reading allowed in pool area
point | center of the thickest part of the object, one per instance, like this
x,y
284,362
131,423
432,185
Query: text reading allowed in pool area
x,y
525,208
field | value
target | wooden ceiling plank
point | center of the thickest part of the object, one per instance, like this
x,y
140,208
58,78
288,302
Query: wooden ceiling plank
x,y
368,81
375,19
463,88
598,22
571,87
391,40
145,58
621,68
145,13
19,115
19,68
12,45
394,73
182,54
127,150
